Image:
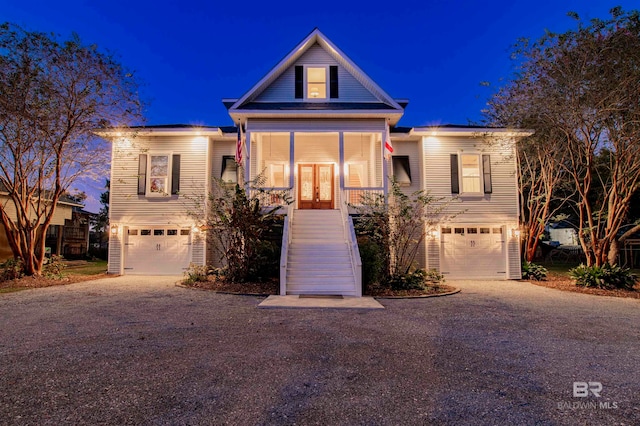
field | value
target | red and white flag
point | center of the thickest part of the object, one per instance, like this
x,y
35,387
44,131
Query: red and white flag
x,y
239,145
388,148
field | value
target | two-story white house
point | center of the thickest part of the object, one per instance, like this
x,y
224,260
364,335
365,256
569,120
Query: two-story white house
x,y
316,126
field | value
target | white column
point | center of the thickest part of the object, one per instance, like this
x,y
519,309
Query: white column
x,y
385,166
341,164
292,138
247,160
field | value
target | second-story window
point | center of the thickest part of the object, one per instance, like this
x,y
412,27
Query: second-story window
x,y
317,82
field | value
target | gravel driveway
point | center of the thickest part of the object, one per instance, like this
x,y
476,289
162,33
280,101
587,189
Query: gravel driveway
x,y
138,350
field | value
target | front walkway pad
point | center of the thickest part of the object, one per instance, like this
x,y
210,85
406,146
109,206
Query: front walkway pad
x,y
304,301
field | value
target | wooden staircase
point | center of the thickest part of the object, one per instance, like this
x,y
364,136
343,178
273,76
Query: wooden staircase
x,y
318,259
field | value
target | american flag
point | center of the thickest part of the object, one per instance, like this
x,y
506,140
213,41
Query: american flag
x,y
388,148
239,145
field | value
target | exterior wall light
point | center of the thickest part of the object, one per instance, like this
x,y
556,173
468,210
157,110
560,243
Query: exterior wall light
x,y
515,232
114,229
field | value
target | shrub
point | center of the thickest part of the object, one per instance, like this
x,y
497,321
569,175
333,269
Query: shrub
x,y
11,270
373,261
195,274
533,271
54,268
606,276
416,280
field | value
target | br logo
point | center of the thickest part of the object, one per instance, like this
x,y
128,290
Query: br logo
x,y
582,389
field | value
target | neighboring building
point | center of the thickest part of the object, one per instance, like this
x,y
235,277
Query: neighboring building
x,y
316,126
563,233
64,215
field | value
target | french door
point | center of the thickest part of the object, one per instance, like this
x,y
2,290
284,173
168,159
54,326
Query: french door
x,y
315,186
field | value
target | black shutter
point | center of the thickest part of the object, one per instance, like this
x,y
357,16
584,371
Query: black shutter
x,y
175,174
142,174
486,173
333,81
299,82
455,181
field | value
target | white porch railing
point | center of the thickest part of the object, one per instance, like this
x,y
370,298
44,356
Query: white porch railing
x,y
354,196
352,242
275,196
284,251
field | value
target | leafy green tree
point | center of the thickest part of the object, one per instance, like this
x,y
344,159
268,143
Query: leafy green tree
x,y
53,95
584,86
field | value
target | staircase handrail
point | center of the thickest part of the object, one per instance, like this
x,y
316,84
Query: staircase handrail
x,y
284,251
352,243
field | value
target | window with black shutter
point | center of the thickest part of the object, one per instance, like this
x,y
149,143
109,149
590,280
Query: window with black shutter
x,y
401,169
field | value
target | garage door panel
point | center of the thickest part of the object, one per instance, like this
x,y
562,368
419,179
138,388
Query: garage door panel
x,y
473,251
157,251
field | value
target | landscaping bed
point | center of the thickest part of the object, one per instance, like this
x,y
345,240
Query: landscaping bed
x,y
560,281
77,271
273,287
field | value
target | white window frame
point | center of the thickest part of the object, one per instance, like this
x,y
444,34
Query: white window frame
x,y
285,176
480,191
167,187
306,82
365,171
225,158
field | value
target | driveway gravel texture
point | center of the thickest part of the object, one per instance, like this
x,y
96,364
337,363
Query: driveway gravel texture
x,y
139,350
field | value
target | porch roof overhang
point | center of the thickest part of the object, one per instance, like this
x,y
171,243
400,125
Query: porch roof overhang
x,y
474,131
242,115
165,130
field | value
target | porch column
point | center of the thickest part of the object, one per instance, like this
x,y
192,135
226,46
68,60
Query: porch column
x,y
292,138
341,163
385,165
247,161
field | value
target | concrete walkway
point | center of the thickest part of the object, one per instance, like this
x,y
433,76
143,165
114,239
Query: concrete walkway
x,y
139,350
295,301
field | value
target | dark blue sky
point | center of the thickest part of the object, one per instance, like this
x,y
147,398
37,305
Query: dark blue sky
x,y
191,54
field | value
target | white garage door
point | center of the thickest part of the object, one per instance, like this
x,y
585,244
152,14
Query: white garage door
x,y
473,252
157,251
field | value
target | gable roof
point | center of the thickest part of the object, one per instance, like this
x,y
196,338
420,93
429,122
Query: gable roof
x,y
385,105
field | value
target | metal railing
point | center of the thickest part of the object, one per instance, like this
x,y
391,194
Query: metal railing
x,y
352,242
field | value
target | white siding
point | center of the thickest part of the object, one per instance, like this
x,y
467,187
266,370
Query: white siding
x,y
316,125
128,207
220,148
513,258
115,253
499,206
282,89
412,150
198,251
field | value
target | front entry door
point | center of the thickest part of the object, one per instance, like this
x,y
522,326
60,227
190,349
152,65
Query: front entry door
x,y
315,188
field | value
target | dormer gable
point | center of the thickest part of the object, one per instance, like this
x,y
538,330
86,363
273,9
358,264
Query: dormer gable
x,y
315,77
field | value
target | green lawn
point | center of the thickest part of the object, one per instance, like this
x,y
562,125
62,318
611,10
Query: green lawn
x,y
91,268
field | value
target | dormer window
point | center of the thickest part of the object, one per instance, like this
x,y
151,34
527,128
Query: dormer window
x,y
316,82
